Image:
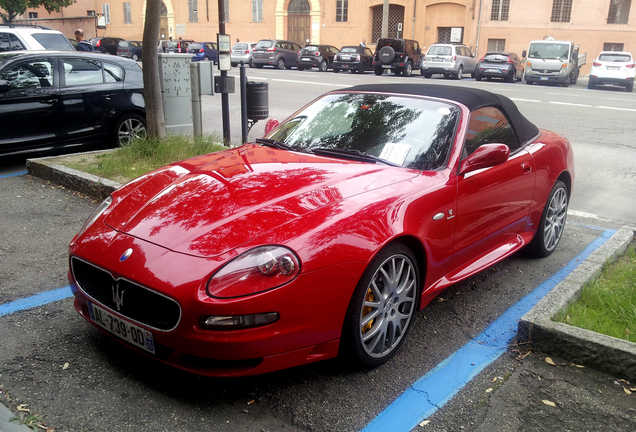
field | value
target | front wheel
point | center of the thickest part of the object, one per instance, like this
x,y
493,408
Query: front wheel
x,y
426,74
552,222
336,70
378,70
323,66
408,69
460,73
280,63
382,306
128,128
477,77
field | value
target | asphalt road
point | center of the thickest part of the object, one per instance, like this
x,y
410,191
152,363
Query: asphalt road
x,y
80,380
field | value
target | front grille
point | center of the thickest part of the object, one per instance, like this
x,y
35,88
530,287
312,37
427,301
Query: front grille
x,y
137,303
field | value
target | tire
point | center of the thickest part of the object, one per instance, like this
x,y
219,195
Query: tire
x,y
135,57
126,128
323,66
510,79
427,74
361,69
477,78
529,82
460,73
591,84
251,63
552,222
378,70
629,87
206,58
398,71
280,63
300,68
382,306
408,69
258,66
336,70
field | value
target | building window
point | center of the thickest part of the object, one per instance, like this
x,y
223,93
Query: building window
x,y
496,44
106,12
561,10
619,11
127,13
90,13
33,14
193,10
613,46
257,10
500,9
342,10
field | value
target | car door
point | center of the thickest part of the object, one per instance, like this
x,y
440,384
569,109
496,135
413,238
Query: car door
x,y
471,61
493,203
29,105
90,90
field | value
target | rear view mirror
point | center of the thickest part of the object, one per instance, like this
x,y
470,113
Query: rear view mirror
x,y
486,156
523,54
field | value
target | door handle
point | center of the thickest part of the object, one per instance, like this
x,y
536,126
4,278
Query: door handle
x,y
47,101
526,168
110,96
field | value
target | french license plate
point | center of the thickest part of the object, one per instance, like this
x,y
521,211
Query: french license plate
x,y
345,66
305,59
544,78
386,66
131,333
492,70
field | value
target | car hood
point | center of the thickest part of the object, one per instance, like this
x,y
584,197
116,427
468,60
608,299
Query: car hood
x,y
209,205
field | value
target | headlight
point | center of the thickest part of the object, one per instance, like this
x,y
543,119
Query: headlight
x,y
236,322
97,213
260,269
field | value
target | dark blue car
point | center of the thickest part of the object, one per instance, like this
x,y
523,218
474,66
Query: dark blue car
x,y
204,51
130,49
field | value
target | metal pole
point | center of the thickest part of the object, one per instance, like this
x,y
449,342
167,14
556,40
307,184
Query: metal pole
x,y
225,98
195,79
243,85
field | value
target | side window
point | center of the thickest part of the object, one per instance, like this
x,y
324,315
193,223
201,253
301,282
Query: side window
x,y
79,72
29,75
297,47
486,126
415,46
10,42
367,51
113,73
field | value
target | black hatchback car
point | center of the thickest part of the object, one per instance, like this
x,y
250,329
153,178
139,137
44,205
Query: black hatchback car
x,y
60,98
320,56
355,58
106,45
498,64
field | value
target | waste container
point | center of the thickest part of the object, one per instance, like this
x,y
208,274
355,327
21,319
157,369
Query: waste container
x,y
257,100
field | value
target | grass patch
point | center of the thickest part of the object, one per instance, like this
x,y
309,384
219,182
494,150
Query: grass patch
x,y
146,154
608,304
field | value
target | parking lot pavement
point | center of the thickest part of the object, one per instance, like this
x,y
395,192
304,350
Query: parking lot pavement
x,y
61,367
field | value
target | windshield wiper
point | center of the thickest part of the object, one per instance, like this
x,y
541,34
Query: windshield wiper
x,y
273,143
355,155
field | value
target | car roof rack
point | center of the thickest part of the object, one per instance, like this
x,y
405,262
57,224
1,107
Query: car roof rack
x,y
14,25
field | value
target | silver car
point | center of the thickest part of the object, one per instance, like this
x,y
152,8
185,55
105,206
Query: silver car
x,y
242,51
448,59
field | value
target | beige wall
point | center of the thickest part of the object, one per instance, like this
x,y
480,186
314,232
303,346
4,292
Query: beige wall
x,y
528,20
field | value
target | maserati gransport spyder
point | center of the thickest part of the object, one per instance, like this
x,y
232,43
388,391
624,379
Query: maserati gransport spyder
x,y
324,237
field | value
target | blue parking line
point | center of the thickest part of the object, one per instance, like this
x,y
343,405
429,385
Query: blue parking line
x,y
35,300
437,387
13,174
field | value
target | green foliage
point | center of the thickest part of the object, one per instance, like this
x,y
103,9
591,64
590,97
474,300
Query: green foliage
x,y
12,8
608,305
146,154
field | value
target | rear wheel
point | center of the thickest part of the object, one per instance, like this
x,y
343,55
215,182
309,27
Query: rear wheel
x,y
206,58
408,69
477,78
591,84
127,128
629,87
382,306
323,66
280,63
378,70
427,74
460,73
336,70
300,68
552,222
251,63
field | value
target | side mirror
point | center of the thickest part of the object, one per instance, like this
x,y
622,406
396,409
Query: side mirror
x,y
523,54
271,125
486,156
473,55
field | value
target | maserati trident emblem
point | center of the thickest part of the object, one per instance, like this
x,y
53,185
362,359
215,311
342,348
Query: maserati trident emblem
x,y
126,255
118,297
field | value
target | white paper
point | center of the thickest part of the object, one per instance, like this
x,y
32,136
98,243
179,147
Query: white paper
x,y
395,152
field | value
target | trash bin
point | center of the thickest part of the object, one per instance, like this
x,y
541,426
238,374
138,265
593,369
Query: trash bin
x,y
257,100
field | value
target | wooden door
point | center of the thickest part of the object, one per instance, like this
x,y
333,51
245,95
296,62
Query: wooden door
x,y
298,28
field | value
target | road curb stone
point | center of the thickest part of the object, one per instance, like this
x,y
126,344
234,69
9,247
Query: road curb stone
x,y
608,354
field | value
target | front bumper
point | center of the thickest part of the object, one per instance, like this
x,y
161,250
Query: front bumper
x,y
554,77
393,66
347,65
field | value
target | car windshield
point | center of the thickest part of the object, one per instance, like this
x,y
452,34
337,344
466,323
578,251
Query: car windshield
x,y
264,44
393,43
615,57
240,46
194,47
411,132
53,41
349,50
440,50
311,48
496,58
123,44
556,51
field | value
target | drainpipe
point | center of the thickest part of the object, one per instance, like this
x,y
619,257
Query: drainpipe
x,y
478,29
414,8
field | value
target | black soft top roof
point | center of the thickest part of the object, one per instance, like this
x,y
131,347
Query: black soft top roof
x,y
469,97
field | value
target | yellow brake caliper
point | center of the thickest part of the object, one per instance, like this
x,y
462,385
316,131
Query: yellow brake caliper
x,y
365,310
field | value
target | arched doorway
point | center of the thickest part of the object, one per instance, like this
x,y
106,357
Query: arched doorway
x,y
299,21
163,26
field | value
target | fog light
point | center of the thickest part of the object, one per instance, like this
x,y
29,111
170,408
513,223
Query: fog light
x,y
235,322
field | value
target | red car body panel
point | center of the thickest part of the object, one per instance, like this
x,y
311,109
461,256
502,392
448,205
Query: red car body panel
x,y
334,214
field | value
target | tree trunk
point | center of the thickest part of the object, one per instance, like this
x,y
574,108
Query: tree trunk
x,y
150,61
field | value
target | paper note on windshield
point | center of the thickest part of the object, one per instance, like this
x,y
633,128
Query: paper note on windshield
x,y
395,152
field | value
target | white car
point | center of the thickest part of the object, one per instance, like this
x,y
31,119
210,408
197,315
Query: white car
x,y
613,67
18,37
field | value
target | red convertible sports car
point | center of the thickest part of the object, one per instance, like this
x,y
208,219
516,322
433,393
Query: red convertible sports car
x,y
326,236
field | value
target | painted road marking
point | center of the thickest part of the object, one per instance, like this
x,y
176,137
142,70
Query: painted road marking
x,y
35,300
433,390
13,174
311,82
524,100
571,104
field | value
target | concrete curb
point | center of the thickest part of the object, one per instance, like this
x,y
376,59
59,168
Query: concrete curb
x,y
614,356
91,185
10,426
